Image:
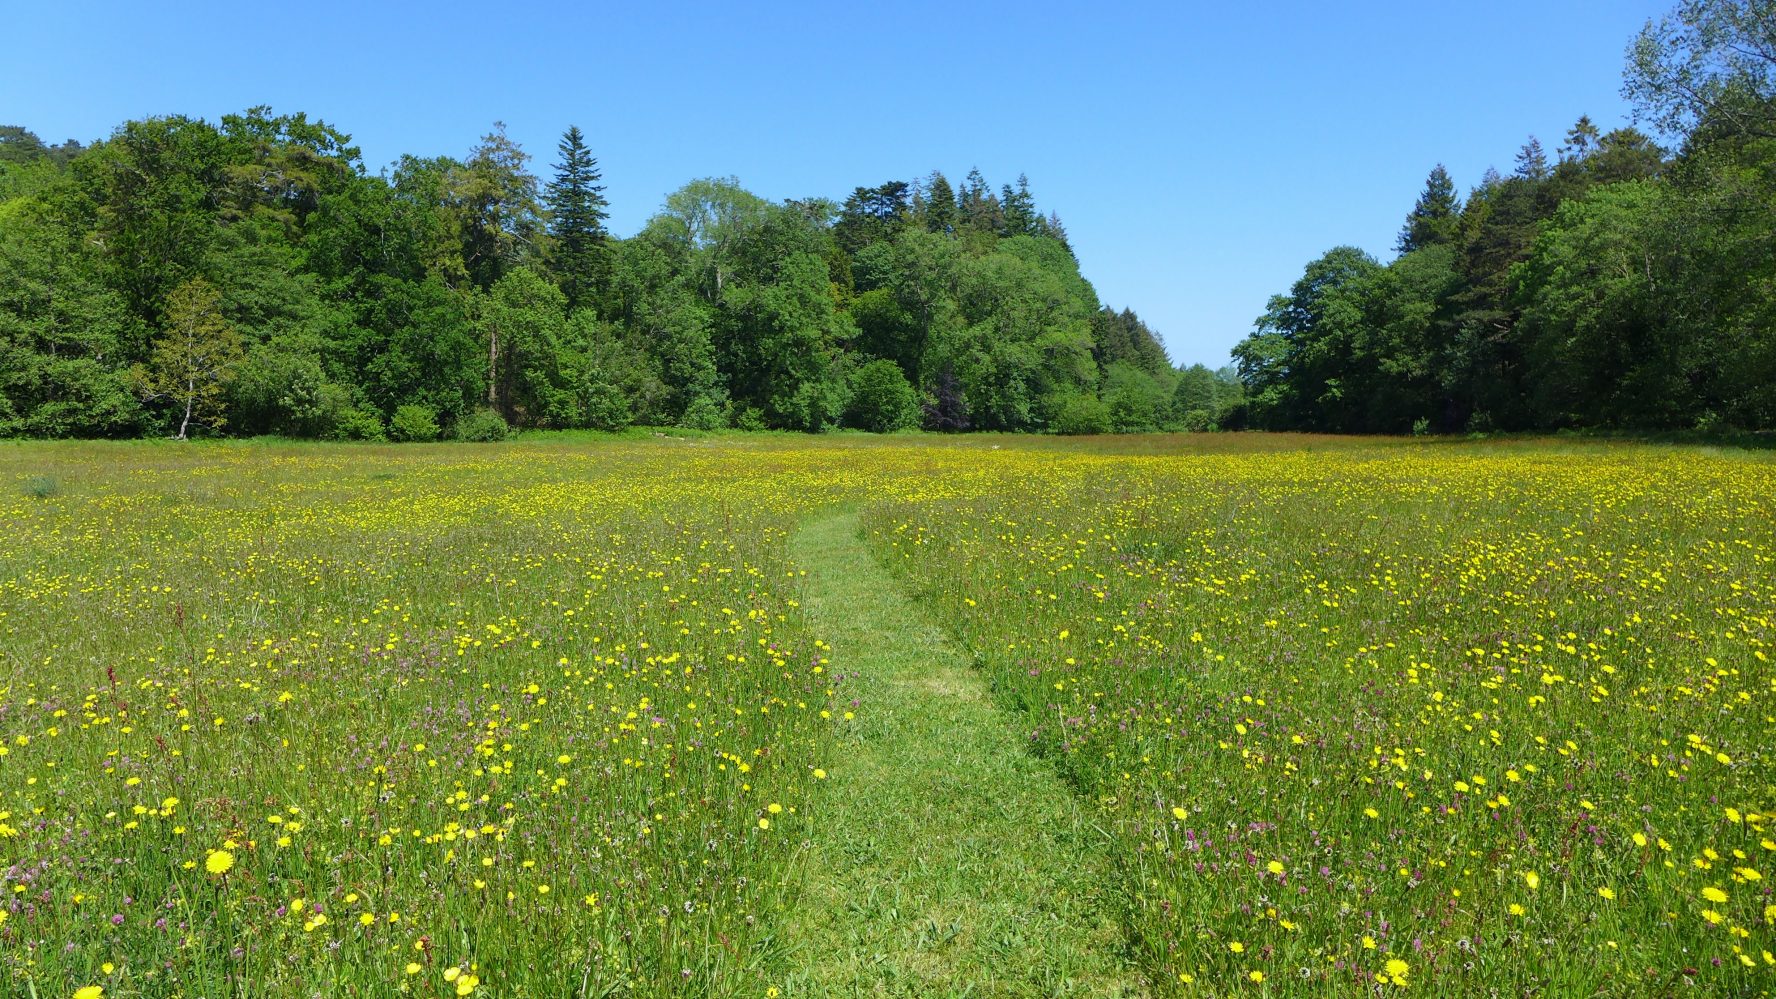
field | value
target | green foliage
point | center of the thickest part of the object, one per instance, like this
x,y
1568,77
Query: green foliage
x,y
1081,413
193,359
882,400
452,284
1436,216
41,486
356,423
482,426
413,423
577,210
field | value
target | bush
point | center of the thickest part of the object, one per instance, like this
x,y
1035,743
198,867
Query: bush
x,y
704,413
357,423
882,400
1081,414
414,423
1198,421
41,487
607,407
483,426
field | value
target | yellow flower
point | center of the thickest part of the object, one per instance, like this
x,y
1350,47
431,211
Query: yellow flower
x,y
1178,813
1256,976
1237,947
1275,867
764,823
1607,892
1714,894
90,992
413,967
1532,879
1396,970
219,862
819,774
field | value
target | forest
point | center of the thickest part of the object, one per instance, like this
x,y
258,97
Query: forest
x,y
1611,283
251,277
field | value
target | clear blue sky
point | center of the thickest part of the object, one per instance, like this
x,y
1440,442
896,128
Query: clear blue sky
x,y
1199,153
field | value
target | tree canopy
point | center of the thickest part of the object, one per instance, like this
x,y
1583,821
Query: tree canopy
x,y
250,276
1615,285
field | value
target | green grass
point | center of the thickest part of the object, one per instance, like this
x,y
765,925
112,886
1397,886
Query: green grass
x,y
947,861
1229,714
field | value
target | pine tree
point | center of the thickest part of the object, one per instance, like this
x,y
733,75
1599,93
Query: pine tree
x,y
1532,162
577,213
940,204
1581,141
1019,205
1434,218
980,206
1056,230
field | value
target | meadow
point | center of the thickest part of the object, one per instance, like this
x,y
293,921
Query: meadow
x,y
551,717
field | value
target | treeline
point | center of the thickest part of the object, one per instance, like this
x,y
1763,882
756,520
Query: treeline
x,y
1610,284
250,277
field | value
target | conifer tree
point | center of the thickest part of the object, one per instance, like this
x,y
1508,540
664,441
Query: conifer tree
x,y
940,204
1435,217
577,210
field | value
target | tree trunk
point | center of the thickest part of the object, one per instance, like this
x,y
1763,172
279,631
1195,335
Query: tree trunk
x,y
190,397
493,367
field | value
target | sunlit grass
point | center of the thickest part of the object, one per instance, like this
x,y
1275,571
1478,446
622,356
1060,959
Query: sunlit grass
x,y
1455,717
544,717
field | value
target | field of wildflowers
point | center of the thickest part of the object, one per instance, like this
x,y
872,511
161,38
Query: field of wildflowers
x,y
1476,720
545,718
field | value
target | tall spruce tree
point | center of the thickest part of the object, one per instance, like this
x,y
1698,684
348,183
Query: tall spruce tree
x,y
940,204
1435,218
577,210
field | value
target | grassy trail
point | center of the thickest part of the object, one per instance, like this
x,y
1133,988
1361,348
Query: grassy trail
x,y
948,861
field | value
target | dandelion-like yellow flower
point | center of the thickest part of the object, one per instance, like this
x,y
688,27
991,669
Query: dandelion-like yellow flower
x,y
219,862
90,992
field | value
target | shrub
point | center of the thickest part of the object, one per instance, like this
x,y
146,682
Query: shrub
x,y
41,487
483,425
414,423
1198,421
882,400
607,408
357,423
704,413
1081,414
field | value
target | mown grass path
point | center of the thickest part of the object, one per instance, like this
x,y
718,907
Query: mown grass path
x,y
947,861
